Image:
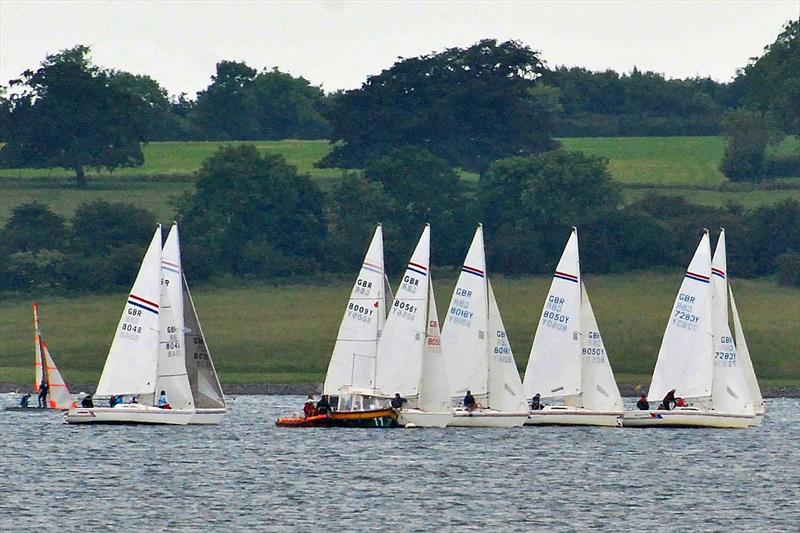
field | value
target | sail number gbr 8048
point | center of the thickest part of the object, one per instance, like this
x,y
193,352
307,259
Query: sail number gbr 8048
x,y
130,328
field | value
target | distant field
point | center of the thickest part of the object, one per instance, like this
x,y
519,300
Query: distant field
x,y
685,166
261,333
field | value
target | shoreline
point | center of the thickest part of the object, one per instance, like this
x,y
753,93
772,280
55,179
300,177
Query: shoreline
x,y
298,389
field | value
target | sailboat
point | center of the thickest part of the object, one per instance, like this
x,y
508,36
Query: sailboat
x,y
45,370
209,400
743,356
350,380
145,356
696,354
568,361
477,350
409,358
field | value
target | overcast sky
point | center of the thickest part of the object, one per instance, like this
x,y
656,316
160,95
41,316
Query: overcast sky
x,y
338,44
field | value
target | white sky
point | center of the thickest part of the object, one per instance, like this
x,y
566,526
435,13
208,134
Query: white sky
x,y
337,44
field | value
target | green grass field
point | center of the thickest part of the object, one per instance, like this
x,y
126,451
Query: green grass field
x,y
262,333
685,166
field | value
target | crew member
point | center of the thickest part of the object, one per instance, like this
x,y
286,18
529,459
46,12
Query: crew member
x,y
668,402
324,405
162,401
398,401
536,403
469,401
23,402
308,408
43,388
643,404
87,401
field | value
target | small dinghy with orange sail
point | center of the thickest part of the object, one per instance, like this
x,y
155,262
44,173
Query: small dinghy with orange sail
x,y
57,397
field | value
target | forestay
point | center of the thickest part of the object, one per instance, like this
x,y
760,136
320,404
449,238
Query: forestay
x,y
353,360
399,359
504,386
554,365
464,332
685,360
730,392
131,361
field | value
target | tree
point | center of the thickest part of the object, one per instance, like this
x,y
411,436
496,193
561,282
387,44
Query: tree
x,y
529,204
288,107
254,215
33,227
771,83
419,187
71,115
99,228
468,106
227,109
748,133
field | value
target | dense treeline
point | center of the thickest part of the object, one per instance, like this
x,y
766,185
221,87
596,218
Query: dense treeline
x,y
255,217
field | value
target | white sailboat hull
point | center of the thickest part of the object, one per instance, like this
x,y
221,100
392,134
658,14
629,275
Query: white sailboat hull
x,y
487,418
208,416
757,420
693,418
423,419
557,415
128,414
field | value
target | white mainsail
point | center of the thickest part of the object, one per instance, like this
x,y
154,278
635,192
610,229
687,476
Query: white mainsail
x,y
729,392
599,391
399,356
684,359
743,356
504,386
554,365
434,392
464,334
171,374
130,364
353,360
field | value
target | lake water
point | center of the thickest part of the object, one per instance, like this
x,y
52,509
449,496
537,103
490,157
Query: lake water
x,y
248,474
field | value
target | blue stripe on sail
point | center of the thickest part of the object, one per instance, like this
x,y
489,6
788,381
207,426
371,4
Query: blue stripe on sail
x,y
474,272
142,307
170,269
696,277
420,272
559,275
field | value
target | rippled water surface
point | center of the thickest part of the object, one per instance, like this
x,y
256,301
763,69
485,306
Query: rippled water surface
x,y
248,474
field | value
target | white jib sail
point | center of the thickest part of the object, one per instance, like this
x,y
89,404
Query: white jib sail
x,y
599,390
171,376
353,359
743,356
464,332
130,366
434,391
729,391
58,395
685,360
171,273
399,362
505,387
554,365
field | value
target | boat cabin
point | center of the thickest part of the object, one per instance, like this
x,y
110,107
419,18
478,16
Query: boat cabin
x,y
355,399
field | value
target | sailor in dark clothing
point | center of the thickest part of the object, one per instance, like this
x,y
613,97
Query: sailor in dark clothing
x,y
323,405
643,404
23,402
536,403
668,402
43,388
398,401
87,401
469,401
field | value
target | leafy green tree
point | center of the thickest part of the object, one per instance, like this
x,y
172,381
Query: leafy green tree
x,y
99,228
748,133
468,106
355,206
227,109
158,120
33,227
771,83
253,215
531,202
419,187
70,115
288,107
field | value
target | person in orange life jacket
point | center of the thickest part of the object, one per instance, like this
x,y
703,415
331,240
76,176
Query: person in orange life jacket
x,y
308,408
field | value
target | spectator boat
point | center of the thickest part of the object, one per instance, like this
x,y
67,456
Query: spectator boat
x,y
568,363
478,354
146,356
698,357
